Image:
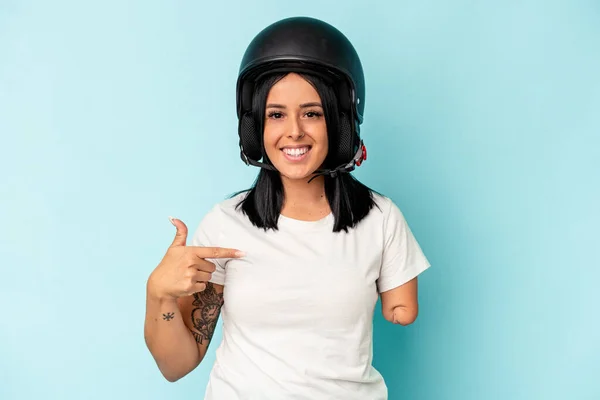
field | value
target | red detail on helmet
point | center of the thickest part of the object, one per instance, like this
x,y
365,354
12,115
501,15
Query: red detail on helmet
x,y
362,157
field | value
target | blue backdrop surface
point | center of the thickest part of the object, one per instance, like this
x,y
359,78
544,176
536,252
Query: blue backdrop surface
x,y
482,123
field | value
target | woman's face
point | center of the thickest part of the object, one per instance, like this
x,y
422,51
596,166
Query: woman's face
x,y
295,133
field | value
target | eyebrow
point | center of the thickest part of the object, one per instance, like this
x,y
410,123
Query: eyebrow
x,y
305,105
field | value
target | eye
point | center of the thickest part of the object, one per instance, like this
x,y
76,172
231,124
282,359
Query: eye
x,y
275,114
313,114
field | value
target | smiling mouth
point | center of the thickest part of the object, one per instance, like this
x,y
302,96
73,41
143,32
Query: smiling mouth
x,y
296,153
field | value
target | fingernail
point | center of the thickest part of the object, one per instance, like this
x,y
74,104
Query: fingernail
x,y
171,219
240,254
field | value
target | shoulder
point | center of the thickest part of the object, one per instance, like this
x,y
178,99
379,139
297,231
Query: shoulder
x,y
220,217
226,209
386,212
229,206
384,206
381,201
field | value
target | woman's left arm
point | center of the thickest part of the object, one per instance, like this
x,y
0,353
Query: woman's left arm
x,y
400,305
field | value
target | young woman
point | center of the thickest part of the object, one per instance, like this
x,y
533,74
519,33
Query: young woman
x,y
295,265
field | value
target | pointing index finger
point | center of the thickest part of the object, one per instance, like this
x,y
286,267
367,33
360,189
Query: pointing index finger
x,y
218,252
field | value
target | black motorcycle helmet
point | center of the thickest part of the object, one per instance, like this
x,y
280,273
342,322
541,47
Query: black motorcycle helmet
x,y
303,44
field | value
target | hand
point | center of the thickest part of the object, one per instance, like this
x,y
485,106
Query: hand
x,y
183,270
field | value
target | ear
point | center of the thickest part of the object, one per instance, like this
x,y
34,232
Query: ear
x,y
345,146
250,138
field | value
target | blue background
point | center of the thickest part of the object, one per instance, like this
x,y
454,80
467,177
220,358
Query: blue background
x,y
482,123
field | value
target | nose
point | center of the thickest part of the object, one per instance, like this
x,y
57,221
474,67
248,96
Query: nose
x,y
295,129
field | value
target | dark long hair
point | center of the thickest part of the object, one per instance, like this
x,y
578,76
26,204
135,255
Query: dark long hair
x,y
350,200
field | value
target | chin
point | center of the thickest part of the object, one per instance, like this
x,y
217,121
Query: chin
x,y
296,173
296,168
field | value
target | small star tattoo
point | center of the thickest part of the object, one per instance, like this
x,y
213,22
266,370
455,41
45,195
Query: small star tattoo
x,y
168,316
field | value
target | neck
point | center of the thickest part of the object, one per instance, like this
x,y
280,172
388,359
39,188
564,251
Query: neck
x,y
303,199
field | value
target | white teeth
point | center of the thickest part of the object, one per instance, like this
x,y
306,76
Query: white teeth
x,y
296,152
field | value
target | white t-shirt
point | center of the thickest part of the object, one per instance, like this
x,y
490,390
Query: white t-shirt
x,y
298,310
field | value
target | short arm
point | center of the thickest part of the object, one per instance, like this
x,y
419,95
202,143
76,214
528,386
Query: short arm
x,y
400,305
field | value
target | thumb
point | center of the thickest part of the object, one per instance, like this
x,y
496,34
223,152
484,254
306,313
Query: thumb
x,y
182,232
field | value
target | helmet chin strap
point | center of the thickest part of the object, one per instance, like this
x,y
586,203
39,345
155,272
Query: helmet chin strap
x,y
259,164
334,173
344,168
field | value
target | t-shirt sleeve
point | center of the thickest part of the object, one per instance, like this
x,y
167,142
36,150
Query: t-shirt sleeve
x,y
402,258
208,234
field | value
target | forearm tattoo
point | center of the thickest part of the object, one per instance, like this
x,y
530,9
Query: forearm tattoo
x,y
168,316
208,305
